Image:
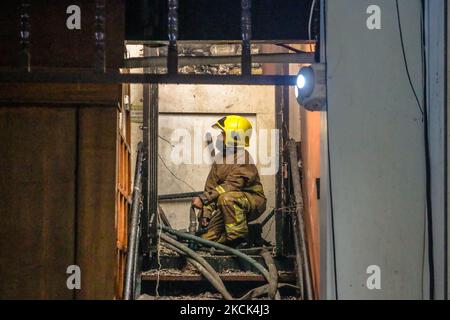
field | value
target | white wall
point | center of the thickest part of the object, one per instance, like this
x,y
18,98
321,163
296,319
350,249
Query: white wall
x,y
376,150
435,29
448,151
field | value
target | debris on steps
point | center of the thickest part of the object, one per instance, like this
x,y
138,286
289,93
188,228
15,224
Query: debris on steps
x,y
203,296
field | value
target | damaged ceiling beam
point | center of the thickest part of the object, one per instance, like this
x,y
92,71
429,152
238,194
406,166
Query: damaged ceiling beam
x,y
114,77
145,62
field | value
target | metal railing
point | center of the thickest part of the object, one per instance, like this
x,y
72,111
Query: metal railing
x,y
131,286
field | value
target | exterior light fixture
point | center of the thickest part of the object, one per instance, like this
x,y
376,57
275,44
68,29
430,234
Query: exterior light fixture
x,y
310,89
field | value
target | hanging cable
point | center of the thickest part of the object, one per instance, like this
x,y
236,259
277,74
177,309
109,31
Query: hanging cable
x,y
429,211
310,18
174,175
405,60
425,219
424,111
168,142
330,184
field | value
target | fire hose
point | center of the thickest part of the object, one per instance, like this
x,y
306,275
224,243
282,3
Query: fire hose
x,y
203,266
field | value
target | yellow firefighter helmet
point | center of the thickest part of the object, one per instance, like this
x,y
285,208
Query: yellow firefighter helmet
x,y
237,129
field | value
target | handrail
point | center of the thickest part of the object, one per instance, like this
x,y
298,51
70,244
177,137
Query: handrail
x,y
301,251
133,241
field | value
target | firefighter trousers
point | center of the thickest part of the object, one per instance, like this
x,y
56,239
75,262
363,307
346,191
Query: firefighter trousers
x,y
229,217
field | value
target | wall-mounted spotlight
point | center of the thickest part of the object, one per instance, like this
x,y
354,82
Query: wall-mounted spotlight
x,y
310,89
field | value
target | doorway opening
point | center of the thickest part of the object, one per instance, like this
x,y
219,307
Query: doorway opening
x,y
170,125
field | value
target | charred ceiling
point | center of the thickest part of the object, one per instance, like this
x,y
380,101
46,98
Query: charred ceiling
x,y
219,20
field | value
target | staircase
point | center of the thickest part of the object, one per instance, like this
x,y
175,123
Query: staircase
x,y
177,279
168,274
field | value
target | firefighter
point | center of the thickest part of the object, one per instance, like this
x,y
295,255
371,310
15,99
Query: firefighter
x,y
233,193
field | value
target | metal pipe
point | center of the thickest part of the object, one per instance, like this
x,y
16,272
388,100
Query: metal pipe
x,y
216,245
143,62
297,218
153,127
145,237
246,30
163,216
133,237
120,78
139,259
176,196
281,227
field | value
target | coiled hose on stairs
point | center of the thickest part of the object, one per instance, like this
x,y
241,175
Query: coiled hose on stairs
x,y
199,263
211,275
216,245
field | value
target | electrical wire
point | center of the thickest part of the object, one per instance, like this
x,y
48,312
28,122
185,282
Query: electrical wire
x,y
310,18
429,211
424,111
333,235
174,175
425,222
405,60
268,229
166,140
446,154
278,209
425,115
330,183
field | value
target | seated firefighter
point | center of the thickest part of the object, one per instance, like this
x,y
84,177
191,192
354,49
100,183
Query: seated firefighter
x,y
233,193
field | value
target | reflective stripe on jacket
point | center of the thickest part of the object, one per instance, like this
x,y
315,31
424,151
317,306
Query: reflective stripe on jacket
x,y
234,172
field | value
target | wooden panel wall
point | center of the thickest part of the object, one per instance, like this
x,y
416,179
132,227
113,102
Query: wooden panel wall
x,y
96,238
58,156
37,210
57,187
52,44
60,137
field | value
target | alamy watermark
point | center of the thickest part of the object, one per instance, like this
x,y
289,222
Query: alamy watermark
x,y
189,147
373,21
373,281
73,21
74,279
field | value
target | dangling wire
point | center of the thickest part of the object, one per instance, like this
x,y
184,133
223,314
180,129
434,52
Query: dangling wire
x,y
158,254
174,175
310,23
